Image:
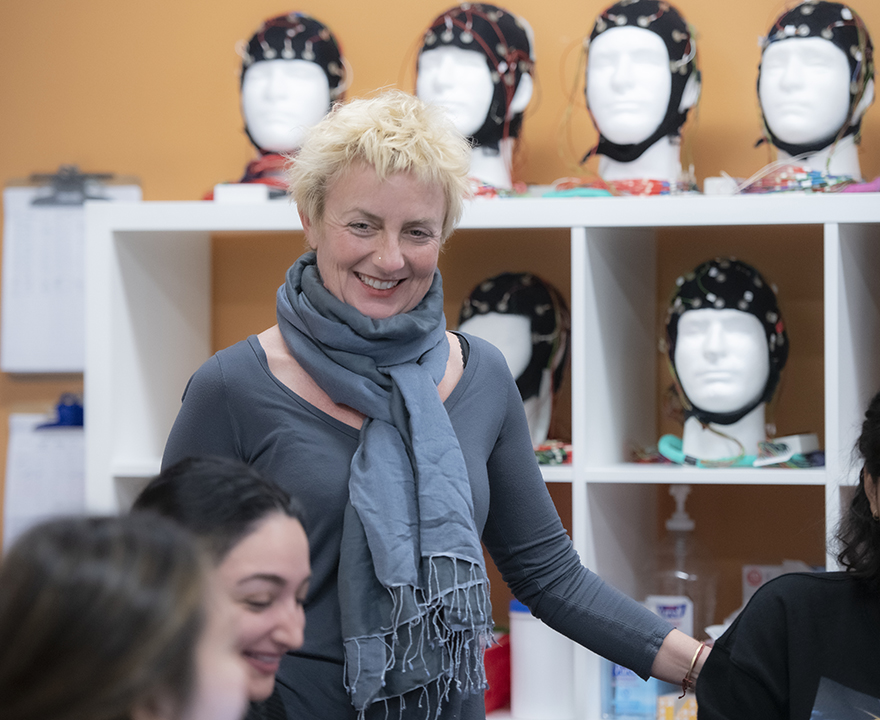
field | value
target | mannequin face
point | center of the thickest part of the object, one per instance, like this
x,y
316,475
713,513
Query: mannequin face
x,y
721,358
460,82
281,99
629,83
511,334
804,89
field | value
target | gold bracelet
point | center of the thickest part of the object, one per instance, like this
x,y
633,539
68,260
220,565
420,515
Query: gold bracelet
x,y
686,682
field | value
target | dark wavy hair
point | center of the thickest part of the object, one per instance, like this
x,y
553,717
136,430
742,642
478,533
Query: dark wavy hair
x,y
98,617
220,500
859,532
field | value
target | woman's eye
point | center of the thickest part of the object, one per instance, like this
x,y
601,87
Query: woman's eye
x,y
257,603
421,234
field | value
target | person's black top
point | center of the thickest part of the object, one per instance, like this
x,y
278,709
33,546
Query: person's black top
x,y
806,646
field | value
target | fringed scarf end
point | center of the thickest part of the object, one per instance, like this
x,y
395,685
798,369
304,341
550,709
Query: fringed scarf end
x,y
435,643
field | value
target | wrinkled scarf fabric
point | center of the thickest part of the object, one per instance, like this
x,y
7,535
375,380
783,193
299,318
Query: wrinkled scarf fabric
x,y
413,590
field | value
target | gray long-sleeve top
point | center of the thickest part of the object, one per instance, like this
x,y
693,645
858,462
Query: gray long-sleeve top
x,y
234,407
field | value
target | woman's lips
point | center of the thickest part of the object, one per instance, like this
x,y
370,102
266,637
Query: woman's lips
x,y
376,283
266,663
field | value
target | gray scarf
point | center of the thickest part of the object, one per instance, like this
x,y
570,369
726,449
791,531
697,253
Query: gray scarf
x,y
413,589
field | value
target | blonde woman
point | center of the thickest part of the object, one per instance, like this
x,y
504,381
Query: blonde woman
x,y
407,444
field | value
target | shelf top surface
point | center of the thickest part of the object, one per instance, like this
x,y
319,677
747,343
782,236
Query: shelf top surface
x,y
518,212
674,474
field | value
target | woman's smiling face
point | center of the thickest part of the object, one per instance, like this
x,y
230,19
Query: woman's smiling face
x,y
379,240
266,575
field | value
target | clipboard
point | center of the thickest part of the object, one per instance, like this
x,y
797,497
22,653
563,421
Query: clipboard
x,y
42,326
45,467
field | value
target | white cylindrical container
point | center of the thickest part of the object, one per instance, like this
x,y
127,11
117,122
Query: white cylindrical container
x,y
541,669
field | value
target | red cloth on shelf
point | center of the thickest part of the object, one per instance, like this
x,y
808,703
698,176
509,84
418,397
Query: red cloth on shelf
x,y
497,660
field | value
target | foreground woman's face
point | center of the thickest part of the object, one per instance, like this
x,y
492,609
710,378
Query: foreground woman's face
x,y
221,676
267,576
379,240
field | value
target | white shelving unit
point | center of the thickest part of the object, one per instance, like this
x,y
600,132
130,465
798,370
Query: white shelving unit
x,y
148,328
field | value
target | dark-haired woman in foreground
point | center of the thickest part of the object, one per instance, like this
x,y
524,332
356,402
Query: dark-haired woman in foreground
x,y
808,645
114,619
253,532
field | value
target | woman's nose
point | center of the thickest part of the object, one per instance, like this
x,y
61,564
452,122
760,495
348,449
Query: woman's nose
x,y
388,255
290,629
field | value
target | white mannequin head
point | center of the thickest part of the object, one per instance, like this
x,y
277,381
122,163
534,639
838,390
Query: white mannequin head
x,y
628,83
727,346
804,89
528,320
721,359
281,100
511,334
815,78
292,70
641,81
460,81
486,103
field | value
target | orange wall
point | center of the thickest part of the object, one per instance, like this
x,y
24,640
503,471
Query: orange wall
x,y
151,90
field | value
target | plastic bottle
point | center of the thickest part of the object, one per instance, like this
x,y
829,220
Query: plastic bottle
x,y
683,569
625,696
541,669
682,591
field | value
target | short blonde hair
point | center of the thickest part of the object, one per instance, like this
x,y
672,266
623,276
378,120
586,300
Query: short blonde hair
x,y
392,132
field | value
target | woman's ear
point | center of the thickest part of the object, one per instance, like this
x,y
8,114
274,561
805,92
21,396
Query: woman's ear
x,y
307,229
